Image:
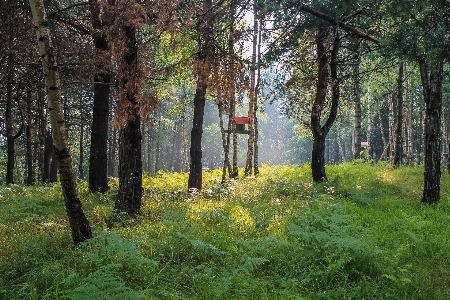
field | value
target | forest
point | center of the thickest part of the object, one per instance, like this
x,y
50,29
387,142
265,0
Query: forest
x,y
285,123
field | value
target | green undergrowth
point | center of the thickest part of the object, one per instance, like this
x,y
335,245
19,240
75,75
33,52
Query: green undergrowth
x,y
361,235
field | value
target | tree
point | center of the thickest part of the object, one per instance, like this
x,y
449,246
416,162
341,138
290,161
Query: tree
x,y
420,34
203,69
320,131
357,99
30,170
14,76
255,78
398,136
432,95
9,133
77,220
129,71
293,27
98,179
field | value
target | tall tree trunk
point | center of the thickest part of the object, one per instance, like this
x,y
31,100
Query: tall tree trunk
x,y
177,153
448,144
234,173
226,138
398,136
173,157
432,94
53,174
195,168
77,220
357,99
320,132
130,168
257,87
129,196
98,159
10,160
157,152
255,139
369,125
252,97
143,144
185,165
81,147
47,156
9,123
341,146
30,170
318,152
391,122
205,55
151,153
408,121
225,143
318,159
42,134
382,128
112,152
9,128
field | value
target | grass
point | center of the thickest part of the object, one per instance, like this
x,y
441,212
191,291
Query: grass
x,y
362,235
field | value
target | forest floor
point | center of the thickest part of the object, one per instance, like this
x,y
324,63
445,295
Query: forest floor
x,y
362,235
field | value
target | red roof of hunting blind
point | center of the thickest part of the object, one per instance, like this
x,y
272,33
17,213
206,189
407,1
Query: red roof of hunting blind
x,y
242,120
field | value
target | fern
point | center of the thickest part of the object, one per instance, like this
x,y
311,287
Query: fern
x,y
206,249
249,264
104,284
111,249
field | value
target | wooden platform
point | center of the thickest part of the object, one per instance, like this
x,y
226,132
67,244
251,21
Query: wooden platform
x,y
238,131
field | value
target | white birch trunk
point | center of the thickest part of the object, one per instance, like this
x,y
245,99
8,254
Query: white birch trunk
x,y
78,222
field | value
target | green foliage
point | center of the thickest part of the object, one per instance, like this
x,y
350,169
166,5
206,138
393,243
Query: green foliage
x,y
362,235
105,284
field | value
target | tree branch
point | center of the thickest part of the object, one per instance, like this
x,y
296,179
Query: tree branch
x,y
355,32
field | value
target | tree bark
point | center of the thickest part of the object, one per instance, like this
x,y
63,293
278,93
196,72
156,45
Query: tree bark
x,y
357,99
195,168
9,128
81,158
318,152
398,136
369,126
157,151
257,87
252,96
130,168
178,166
130,139
225,143
391,120
226,138
10,160
47,156
432,94
354,32
447,133
77,220
185,164
234,168
320,132
112,145
98,159
30,170
205,55
53,174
